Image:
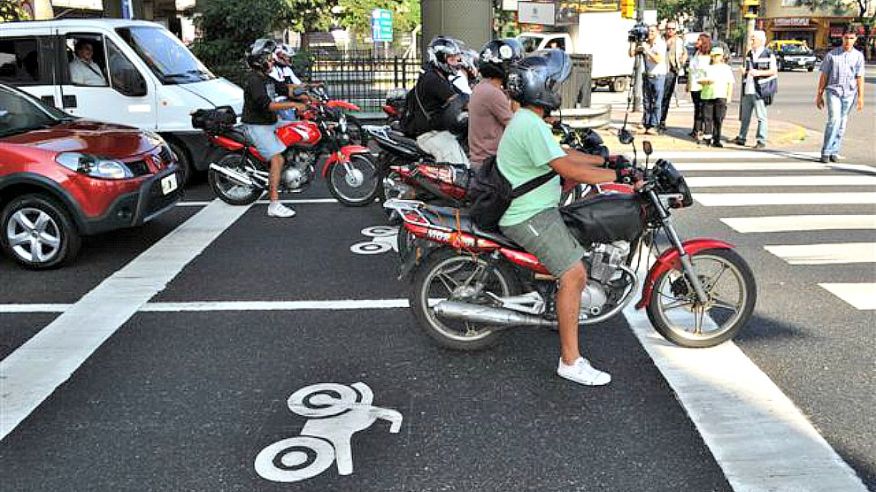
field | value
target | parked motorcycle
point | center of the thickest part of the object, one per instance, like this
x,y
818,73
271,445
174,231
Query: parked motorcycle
x,y
241,175
470,284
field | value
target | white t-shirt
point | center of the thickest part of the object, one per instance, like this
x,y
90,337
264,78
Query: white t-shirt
x,y
85,73
657,68
722,81
698,64
460,81
280,74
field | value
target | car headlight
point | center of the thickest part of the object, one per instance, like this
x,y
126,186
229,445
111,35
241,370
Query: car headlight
x,y
94,166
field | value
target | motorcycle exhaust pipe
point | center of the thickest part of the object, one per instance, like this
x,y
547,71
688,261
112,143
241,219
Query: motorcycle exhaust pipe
x,y
490,315
239,178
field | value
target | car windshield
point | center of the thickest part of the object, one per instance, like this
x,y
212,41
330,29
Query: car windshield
x,y
530,43
795,49
165,55
21,112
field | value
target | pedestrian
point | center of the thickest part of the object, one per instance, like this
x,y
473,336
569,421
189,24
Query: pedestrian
x,y
676,57
760,68
490,109
716,93
840,84
697,69
654,51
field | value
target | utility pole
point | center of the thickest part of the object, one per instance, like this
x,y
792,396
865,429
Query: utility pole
x,y
638,76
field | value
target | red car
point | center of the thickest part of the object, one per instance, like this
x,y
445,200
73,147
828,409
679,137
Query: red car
x,y
62,178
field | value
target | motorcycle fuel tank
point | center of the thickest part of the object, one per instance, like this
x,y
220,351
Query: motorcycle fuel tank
x,y
302,133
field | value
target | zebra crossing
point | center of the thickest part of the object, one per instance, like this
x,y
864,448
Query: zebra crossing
x,y
806,213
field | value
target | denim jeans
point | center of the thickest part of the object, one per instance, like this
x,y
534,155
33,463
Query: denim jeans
x,y
838,109
653,100
668,92
749,103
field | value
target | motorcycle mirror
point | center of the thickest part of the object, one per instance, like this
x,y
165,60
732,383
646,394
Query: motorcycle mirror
x,y
646,146
625,137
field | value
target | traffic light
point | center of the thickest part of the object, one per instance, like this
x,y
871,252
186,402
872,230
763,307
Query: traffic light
x,y
628,8
750,8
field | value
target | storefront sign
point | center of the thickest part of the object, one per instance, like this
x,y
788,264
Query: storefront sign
x,y
792,22
79,4
536,13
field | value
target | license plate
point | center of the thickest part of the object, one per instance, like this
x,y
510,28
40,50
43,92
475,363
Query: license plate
x,y
168,184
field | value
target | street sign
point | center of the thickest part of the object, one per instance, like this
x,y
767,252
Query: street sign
x,y
381,26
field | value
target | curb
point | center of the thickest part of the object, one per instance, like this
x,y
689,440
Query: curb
x,y
794,135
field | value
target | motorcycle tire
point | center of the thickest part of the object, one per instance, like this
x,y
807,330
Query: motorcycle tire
x,y
228,191
404,241
342,187
682,294
463,336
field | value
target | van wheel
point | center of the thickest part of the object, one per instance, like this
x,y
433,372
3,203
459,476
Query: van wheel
x,y
38,233
619,84
183,161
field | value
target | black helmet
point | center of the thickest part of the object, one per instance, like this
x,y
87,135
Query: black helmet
x,y
439,49
497,56
536,79
259,53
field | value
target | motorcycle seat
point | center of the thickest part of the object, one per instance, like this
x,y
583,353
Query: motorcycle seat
x,y
447,216
407,144
237,135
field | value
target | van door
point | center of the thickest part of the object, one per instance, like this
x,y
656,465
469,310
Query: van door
x,y
26,62
99,81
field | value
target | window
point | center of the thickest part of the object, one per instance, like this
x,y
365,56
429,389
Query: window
x,y
165,55
19,61
124,76
20,113
86,60
558,43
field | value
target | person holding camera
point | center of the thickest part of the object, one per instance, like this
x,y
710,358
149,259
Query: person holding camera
x,y
653,51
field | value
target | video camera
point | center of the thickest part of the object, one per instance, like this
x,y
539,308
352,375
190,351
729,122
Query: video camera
x,y
638,34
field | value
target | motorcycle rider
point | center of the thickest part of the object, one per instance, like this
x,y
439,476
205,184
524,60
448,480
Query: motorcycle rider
x,y
528,150
260,117
438,110
489,108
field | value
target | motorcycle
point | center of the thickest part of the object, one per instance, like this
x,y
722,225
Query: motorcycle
x,y
470,284
241,175
394,106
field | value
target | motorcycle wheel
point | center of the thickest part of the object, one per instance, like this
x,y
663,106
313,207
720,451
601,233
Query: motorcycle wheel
x,y
227,190
729,283
404,241
445,275
359,188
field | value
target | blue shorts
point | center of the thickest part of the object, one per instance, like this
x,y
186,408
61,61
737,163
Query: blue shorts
x,y
265,139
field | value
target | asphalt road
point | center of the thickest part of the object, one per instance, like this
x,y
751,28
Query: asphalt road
x,y
190,391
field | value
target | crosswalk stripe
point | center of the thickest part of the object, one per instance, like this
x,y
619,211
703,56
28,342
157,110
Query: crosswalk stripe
x,y
787,223
862,296
778,181
770,166
739,154
751,199
825,254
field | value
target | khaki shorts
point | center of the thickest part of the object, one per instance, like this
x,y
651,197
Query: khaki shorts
x,y
545,235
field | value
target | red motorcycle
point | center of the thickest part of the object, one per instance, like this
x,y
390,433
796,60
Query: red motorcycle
x,y
470,284
241,175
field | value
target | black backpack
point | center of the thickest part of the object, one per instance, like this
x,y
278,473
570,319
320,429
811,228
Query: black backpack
x,y
414,121
491,194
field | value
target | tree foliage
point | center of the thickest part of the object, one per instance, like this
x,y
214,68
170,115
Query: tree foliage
x,y
310,16
675,9
355,15
10,11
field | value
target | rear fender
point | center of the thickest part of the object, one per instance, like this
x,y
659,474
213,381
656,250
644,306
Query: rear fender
x,y
670,260
334,103
342,156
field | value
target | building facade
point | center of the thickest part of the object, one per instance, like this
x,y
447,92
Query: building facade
x,y
820,29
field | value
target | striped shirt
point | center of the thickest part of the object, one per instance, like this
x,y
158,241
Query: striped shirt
x,y
842,68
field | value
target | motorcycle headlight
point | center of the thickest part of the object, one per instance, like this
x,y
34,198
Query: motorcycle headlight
x,y
94,166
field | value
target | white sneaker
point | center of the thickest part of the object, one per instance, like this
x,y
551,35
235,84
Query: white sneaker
x,y
277,209
583,373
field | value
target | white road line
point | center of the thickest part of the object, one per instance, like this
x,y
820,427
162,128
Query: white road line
x,y
778,181
164,307
758,437
770,166
825,254
739,154
300,201
32,372
33,308
753,199
862,296
787,223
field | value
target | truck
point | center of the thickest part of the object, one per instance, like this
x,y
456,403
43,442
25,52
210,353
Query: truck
x,y
603,35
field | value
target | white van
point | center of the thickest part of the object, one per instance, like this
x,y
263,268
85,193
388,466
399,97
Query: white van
x,y
141,75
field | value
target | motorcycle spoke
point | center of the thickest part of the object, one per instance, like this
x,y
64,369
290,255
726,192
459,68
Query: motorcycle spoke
x,y
699,314
679,303
718,303
714,281
444,279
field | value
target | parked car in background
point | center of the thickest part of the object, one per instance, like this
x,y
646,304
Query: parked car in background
x,y
141,76
793,54
63,177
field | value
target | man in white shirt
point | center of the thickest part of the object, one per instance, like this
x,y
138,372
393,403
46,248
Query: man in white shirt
x,y
83,70
676,57
759,65
654,51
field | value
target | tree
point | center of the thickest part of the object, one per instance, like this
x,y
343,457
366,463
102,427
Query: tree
x,y
865,18
310,16
355,15
11,11
675,9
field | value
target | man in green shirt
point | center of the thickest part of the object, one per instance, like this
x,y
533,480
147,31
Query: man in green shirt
x,y
528,150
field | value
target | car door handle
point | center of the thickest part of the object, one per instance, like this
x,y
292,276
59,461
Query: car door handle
x,y
69,101
50,100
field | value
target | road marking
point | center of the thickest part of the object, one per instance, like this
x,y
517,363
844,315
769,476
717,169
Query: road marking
x,y
825,254
32,372
770,166
787,223
301,201
331,305
739,154
862,296
33,308
753,199
779,181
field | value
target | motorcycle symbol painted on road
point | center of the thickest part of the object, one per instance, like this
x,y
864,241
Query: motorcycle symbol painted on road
x,y
383,240
336,412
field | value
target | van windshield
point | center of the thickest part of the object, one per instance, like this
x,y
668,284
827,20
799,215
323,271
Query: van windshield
x,y
166,56
530,43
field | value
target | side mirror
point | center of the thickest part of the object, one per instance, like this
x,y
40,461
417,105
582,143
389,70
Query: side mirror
x,y
646,146
625,137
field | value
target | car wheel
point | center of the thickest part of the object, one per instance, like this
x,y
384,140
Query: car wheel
x,y
38,233
183,162
809,69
